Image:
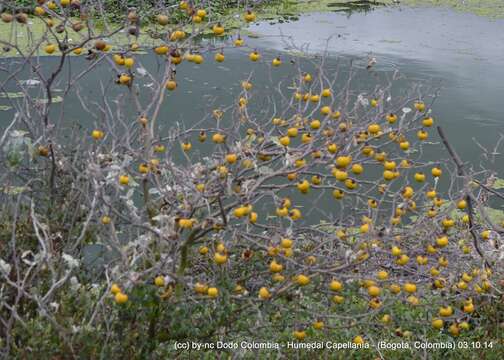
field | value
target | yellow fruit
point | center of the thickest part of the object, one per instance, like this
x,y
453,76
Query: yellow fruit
x,y
231,158
275,267
442,241
335,285
420,106
445,311
410,288
466,277
402,260
437,323
325,110
318,325
357,169
213,292
246,85
326,93
239,42
121,298
159,281
413,300
254,56
382,275
338,194
115,289
315,124
286,243
306,138
143,168
282,211
373,103
50,48
220,258
388,175
159,148
454,329
316,180
332,148
391,118
468,307
218,29
124,79
338,299
264,293
381,156
218,138
276,62
124,179
307,77
303,186
358,340
374,129
295,214
198,59
219,57
419,177
129,62
39,11
186,223
249,16
422,135
462,204
422,260
340,174
220,248
171,85
203,250
302,280
162,19
395,289
200,288
343,161
97,134
436,172
299,335
428,121
374,291
284,140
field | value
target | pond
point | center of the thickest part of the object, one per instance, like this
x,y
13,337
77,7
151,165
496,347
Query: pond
x,y
462,55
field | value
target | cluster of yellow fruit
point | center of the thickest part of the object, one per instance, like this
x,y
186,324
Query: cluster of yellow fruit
x,y
119,296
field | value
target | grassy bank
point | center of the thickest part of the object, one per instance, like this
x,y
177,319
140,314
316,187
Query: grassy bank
x,y
487,8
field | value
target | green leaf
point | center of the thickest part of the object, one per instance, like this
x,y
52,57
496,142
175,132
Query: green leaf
x,y
498,184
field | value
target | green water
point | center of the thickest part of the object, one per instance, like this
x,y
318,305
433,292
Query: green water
x,y
459,55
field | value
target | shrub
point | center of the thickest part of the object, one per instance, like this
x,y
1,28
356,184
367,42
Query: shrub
x,y
120,239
